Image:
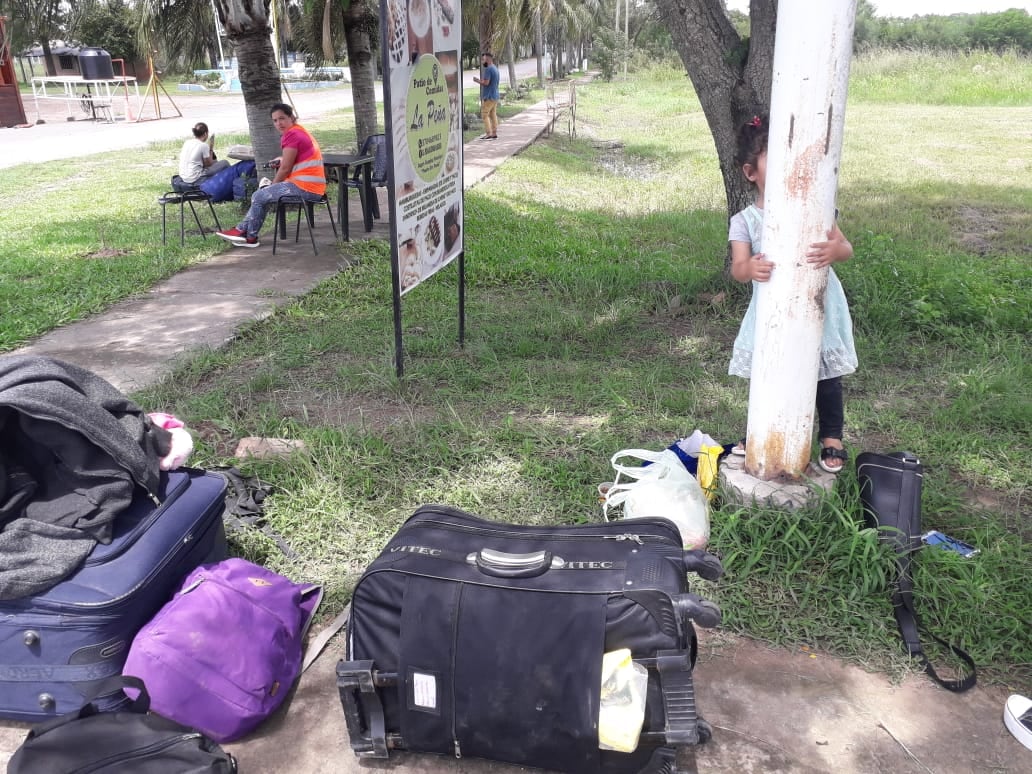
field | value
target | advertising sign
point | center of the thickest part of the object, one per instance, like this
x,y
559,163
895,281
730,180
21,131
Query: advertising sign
x,y
423,95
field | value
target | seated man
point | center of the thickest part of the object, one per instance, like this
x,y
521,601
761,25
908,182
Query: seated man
x,y
197,158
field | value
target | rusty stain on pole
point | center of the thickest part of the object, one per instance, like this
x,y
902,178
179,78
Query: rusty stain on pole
x,y
812,53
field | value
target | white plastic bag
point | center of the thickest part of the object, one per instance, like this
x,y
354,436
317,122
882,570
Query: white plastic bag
x,y
663,489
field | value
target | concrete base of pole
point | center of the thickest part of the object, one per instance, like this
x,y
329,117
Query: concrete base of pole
x,y
739,487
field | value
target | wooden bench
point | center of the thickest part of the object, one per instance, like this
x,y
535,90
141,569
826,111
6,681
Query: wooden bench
x,y
560,104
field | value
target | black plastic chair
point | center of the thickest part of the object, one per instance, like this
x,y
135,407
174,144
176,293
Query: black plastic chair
x,y
185,194
283,203
375,145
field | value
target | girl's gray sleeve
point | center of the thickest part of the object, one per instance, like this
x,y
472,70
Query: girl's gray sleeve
x,y
738,229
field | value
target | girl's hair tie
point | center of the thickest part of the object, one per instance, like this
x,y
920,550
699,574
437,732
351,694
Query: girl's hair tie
x,y
756,122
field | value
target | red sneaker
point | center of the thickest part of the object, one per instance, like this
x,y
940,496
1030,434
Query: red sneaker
x,y
249,242
234,235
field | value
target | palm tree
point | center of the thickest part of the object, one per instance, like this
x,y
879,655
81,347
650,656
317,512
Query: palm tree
x,y
505,24
361,29
183,30
357,22
186,30
248,29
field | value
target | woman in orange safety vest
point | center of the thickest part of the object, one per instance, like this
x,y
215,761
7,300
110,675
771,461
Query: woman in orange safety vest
x,y
300,173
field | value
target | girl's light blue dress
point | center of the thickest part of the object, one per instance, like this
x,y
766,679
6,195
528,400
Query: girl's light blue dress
x,y
838,353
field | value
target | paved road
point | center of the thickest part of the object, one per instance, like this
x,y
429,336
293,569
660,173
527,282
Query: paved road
x,y
59,138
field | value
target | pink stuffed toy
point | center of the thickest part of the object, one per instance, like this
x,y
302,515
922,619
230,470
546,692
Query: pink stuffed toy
x,y
182,441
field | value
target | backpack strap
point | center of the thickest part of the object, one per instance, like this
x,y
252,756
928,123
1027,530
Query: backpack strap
x,y
311,598
244,498
317,645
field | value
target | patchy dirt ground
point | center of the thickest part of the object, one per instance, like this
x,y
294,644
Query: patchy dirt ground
x,y
985,231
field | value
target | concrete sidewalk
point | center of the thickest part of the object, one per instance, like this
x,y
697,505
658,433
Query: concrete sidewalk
x,y
771,710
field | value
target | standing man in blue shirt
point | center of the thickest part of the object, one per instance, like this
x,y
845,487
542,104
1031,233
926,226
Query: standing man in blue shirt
x,y
488,96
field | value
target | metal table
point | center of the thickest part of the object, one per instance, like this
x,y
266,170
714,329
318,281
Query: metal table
x,y
101,94
342,165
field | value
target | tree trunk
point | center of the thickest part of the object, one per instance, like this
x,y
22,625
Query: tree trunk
x,y
557,56
731,76
260,84
247,26
539,48
509,60
361,22
48,57
327,37
485,26
41,21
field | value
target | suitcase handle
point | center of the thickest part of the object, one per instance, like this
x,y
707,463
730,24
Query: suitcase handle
x,y
504,565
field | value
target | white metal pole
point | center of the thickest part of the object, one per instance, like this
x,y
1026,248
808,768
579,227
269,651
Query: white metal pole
x,y
812,50
218,32
275,35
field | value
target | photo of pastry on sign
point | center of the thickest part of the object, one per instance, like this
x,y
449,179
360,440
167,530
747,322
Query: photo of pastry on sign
x,y
421,37
433,244
451,228
410,262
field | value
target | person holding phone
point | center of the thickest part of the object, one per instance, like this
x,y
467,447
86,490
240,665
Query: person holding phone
x,y
197,160
488,96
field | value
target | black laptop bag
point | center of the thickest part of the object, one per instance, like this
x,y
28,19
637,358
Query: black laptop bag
x,y
476,638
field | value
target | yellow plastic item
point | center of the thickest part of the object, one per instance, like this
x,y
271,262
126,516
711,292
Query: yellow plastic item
x,y
707,470
622,705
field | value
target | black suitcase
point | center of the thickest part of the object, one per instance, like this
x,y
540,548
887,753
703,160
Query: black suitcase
x,y
475,638
56,647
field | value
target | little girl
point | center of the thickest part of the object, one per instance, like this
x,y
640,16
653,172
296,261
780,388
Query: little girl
x,y
838,355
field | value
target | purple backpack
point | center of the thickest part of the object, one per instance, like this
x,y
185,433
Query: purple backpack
x,y
224,652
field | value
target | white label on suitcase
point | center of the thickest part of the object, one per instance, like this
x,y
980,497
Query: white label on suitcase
x,y
424,690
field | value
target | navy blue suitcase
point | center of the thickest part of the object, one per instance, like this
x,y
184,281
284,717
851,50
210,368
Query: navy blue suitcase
x,y
56,647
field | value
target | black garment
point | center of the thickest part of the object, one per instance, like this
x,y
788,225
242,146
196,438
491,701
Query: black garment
x,y
830,409
72,451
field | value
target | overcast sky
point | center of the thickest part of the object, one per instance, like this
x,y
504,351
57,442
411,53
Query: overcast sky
x,y
907,8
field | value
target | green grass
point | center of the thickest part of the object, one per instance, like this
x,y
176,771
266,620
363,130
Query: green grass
x,y
599,318
917,77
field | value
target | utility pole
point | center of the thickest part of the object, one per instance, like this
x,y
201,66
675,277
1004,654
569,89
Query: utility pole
x,y
812,51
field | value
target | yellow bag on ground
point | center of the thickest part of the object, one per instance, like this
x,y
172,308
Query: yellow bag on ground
x,y
622,705
707,470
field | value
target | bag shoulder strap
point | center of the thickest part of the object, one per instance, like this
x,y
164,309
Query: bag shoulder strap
x,y
140,705
909,628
